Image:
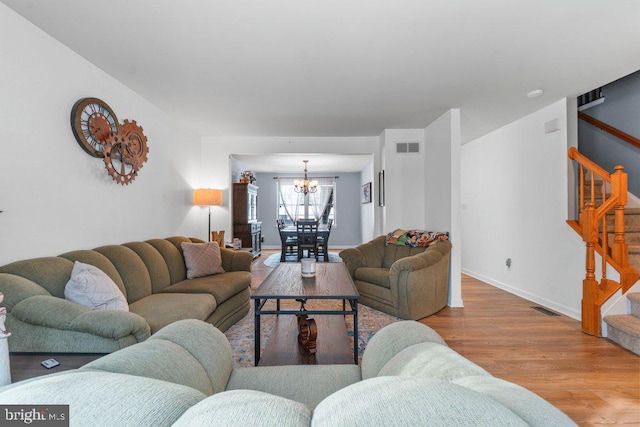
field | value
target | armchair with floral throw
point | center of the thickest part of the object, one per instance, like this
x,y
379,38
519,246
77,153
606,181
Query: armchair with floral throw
x,y
405,274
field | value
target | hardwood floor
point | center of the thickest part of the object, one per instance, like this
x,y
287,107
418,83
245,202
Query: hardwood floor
x,y
591,379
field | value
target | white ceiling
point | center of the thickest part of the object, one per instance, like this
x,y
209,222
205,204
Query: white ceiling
x,y
347,67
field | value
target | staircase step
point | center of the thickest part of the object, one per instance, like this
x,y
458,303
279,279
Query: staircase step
x,y
631,221
624,329
634,299
630,237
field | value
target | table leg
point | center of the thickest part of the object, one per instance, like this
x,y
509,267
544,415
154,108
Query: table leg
x,y
355,332
256,336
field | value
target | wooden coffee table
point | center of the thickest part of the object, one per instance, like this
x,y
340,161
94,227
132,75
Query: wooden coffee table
x,y
331,282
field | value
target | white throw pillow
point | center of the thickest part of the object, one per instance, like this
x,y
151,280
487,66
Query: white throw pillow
x,y
92,288
202,259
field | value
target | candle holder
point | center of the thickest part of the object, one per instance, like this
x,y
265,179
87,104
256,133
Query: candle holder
x,y
308,267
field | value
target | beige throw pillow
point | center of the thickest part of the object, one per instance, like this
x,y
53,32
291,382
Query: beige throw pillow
x,y
92,288
202,259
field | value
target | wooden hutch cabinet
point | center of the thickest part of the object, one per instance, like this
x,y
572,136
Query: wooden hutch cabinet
x,y
246,226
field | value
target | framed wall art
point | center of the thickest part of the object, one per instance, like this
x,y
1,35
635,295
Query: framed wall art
x,y
365,195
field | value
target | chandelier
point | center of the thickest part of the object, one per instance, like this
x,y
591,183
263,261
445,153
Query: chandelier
x,y
305,186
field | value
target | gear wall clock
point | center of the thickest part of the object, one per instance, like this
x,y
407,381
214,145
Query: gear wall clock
x,y
123,147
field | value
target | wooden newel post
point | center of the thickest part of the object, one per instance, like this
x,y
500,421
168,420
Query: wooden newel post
x,y
590,290
619,250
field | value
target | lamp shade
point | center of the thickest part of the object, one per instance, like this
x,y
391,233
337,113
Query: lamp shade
x,y
207,197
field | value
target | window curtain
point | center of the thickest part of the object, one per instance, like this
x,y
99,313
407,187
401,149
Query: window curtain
x,y
319,200
293,203
290,200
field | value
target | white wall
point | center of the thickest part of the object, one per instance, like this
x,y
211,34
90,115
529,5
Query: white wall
x,y
404,178
442,190
57,198
514,205
216,152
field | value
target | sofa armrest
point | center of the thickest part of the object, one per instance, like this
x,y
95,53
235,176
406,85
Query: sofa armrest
x,y
391,340
236,260
59,313
353,259
420,283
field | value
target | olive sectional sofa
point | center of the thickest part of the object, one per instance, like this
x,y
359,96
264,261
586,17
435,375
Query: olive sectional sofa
x,y
151,275
184,376
407,282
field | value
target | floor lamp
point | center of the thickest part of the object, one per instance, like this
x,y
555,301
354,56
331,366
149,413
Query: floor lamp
x,y
207,197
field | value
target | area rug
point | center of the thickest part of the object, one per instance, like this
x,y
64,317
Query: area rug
x,y
241,335
273,260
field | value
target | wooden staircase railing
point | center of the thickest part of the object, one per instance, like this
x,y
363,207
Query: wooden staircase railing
x,y
609,129
592,226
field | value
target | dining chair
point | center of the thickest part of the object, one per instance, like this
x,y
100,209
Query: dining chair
x,y
289,243
323,242
307,238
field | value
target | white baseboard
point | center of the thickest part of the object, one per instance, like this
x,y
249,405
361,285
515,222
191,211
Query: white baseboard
x,y
455,303
567,311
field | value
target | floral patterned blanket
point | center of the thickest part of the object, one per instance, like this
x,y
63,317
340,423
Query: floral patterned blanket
x,y
415,238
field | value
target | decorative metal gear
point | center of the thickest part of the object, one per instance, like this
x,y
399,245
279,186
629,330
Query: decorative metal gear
x,y
120,163
125,152
136,140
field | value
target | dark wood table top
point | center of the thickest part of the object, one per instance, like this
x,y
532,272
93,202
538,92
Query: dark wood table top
x,y
332,281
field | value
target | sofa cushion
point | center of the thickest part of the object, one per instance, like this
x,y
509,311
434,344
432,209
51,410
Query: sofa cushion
x,y
91,287
172,257
163,308
202,259
52,273
308,384
377,276
243,408
392,253
131,269
159,359
221,286
408,401
155,263
98,260
107,399
17,288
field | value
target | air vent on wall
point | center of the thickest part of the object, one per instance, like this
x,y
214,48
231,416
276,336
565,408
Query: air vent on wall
x,y
407,147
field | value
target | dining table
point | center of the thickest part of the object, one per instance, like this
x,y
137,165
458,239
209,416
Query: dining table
x,y
292,231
